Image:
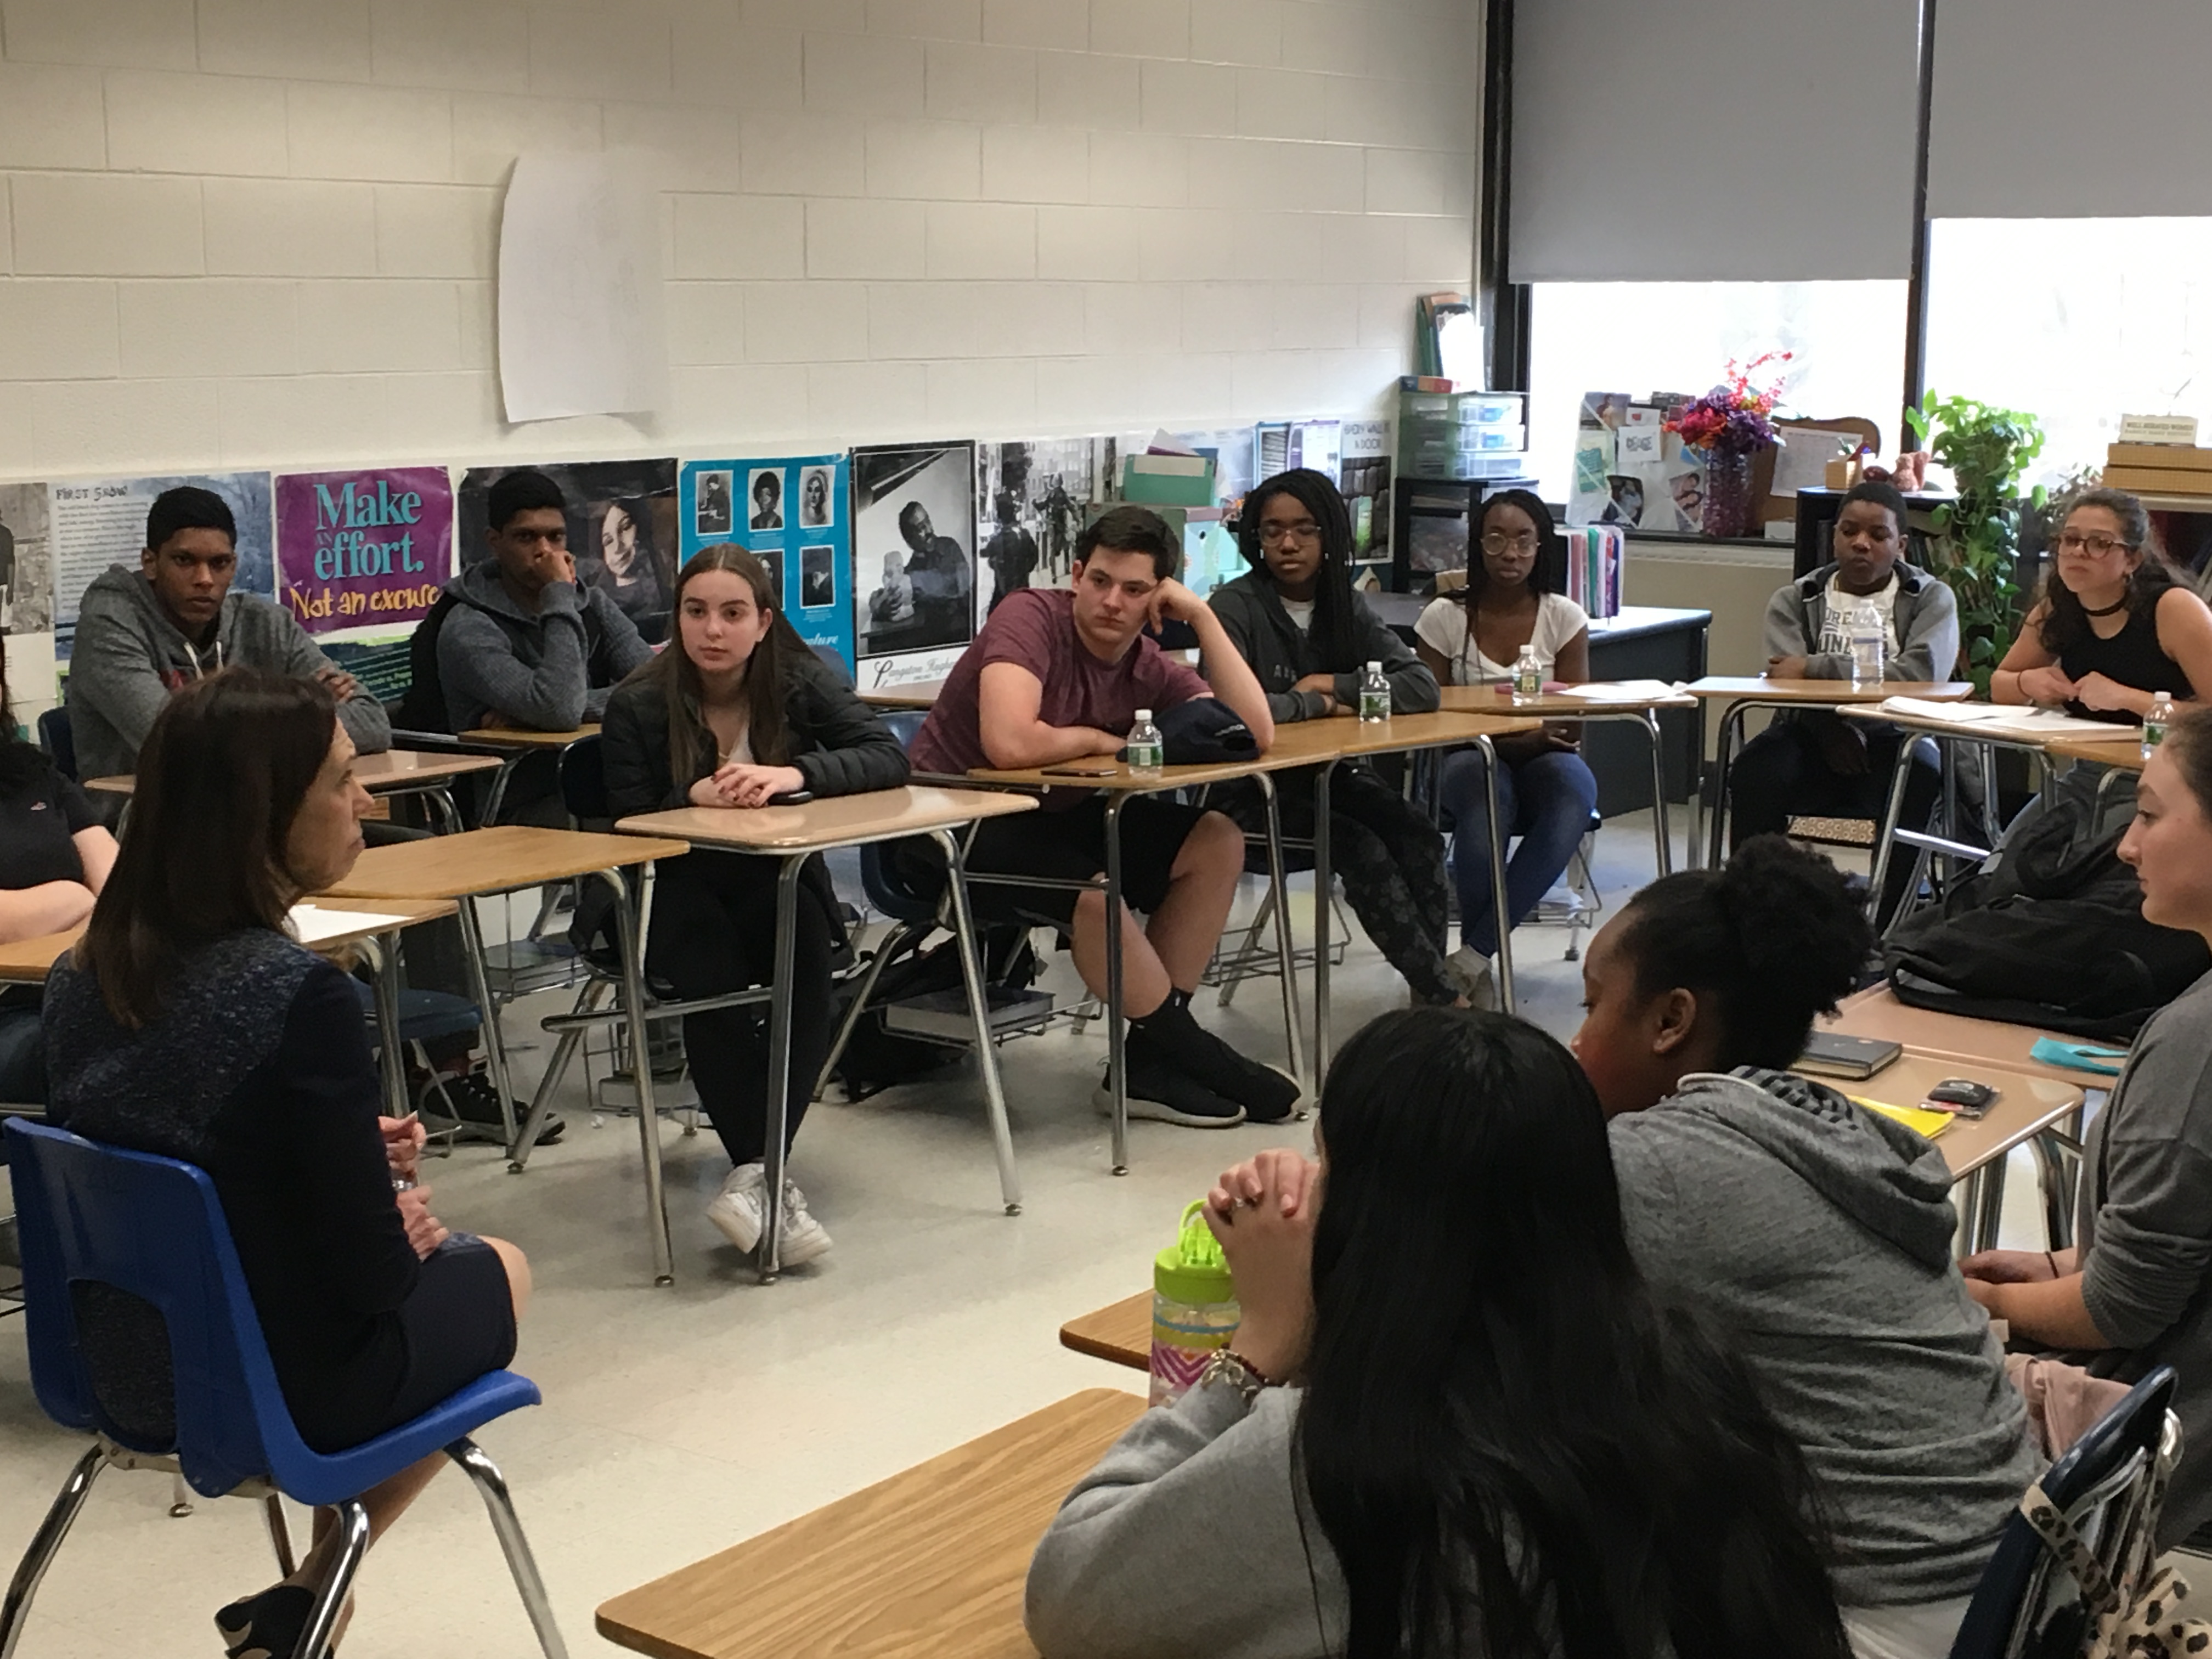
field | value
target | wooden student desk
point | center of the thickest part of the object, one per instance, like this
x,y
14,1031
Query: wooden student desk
x,y
2123,755
479,862
425,772
516,744
1876,1012
1121,1333
922,694
792,835
1741,694
928,1564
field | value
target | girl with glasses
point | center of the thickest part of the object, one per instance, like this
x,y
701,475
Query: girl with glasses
x,y
1546,793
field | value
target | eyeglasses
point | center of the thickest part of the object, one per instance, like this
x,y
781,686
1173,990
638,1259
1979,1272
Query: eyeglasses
x,y
2073,541
1497,541
1274,535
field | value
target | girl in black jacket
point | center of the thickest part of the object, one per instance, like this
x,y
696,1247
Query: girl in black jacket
x,y
737,711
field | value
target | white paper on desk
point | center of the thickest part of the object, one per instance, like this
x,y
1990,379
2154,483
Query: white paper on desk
x,y
2006,718
1958,714
312,924
1618,690
582,329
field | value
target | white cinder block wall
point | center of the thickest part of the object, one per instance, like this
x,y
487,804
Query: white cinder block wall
x,y
263,231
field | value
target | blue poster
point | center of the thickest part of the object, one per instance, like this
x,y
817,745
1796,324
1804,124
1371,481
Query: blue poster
x,y
792,512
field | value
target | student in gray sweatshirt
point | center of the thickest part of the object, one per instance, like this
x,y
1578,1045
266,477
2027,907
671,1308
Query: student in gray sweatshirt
x,y
1814,1233
142,635
2135,1290
1446,1352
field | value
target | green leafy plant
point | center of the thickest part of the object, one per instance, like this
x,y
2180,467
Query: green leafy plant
x,y
1977,540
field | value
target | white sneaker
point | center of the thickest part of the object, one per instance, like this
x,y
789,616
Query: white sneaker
x,y
739,1211
804,1237
1472,967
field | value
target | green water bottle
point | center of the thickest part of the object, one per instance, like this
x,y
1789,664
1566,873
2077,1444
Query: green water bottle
x,y
1194,1310
2155,722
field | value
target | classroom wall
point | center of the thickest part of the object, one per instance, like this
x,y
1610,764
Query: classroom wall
x,y
263,231
1733,582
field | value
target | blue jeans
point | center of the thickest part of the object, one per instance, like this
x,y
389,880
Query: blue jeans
x,y
1545,801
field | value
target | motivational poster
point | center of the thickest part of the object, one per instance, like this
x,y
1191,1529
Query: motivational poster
x,y
365,548
792,512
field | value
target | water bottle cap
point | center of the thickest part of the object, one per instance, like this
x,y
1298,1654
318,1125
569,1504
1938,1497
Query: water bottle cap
x,y
1376,666
1143,715
1192,1270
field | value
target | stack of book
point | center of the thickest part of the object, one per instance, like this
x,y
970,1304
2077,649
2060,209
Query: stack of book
x,y
2160,470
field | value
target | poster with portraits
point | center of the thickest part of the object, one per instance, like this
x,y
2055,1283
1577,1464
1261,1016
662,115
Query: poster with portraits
x,y
1030,497
790,511
913,550
622,530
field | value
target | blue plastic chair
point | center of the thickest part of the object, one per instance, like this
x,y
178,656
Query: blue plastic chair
x,y
58,740
2027,1606
125,1237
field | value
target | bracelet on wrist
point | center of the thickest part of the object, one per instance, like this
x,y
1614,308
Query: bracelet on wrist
x,y
1229,1369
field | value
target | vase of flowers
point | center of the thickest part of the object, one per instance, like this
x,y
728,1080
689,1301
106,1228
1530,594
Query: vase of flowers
x,y
1727,426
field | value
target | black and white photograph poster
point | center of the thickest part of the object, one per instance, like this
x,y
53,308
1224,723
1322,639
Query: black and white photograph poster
x,y
817,497
765,492
1029,503
914,547
803,560
713,515
817,577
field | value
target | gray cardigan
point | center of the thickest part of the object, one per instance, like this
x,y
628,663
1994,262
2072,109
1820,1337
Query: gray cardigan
x,y
1280,655
1927,626
2145,1233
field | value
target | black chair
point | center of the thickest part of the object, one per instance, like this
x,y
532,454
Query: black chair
x,y
59,742
2107,1485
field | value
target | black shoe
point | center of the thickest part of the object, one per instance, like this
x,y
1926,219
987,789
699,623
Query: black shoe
x,y
1179,1044
466,1105
1165,1095
268,1626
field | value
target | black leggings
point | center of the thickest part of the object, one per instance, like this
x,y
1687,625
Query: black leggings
x,y
713,931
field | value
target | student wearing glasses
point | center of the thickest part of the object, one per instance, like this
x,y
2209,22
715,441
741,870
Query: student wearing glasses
x,y
1546,792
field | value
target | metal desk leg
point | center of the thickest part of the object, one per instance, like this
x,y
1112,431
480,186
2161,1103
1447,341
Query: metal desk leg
x,y
1285,962
979,1007
1324,909
1499,913
1731,734
1661,833
631,932
384,952
441,798
495,1040
497,797
779,1064
1117,1047
1885,843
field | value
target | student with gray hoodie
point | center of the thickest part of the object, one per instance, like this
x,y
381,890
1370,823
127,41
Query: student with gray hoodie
x,y
144,635
1815,1233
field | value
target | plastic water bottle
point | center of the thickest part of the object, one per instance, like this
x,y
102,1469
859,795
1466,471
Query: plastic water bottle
x,y
1528,675
1373,695
1147,749
1868,643
1194,1310
2155,722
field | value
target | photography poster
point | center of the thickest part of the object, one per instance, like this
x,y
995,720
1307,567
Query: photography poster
x,y
363,550
1279,445
794,517
27,599
622,530
913,553
1031,498
94,523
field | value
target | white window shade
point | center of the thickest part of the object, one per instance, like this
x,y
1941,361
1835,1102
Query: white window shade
x,y
1714,140
2056,109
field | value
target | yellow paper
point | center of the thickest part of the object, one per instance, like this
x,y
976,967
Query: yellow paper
x,y
1919,1119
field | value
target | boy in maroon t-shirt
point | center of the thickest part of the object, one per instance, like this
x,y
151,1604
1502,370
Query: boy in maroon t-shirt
x,y
1057,677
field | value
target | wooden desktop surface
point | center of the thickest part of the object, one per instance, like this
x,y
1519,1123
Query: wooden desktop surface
x,y
834,821
516,736
1120,1333
25,961
1973,731
1725,688
395,769
2127,754
1876,1012
922,694
494,860
1487,699
929,1563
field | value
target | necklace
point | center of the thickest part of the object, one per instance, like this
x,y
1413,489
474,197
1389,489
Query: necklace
x,y
2111,609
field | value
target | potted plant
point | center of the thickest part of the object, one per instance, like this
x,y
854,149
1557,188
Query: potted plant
x,y
1728,426
1976,541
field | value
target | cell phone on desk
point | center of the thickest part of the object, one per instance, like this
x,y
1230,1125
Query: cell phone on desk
x,y
1082,771
792,798
1960,1096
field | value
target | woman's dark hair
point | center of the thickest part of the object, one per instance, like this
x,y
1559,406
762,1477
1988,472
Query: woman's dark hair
x,y
1888,496
1770,940
690,744
1547,547
2065,623
2189,741
1511,1447
220,778
1335,633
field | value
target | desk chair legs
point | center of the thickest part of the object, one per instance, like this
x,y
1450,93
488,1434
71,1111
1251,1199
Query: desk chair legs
x,y
631,933
779,1066
1731,735
1498,909
1117,1058
2058,1171
45,1544
383,952
329,1599
492,1484
494,1043
979,1008
564,1054
1324,876
280,1536
1662,839
891,944
1280,897
1885,843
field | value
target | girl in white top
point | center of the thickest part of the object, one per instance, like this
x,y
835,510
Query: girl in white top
x,y
1545,793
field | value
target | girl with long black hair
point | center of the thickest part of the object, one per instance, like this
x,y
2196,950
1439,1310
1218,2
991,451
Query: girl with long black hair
x,y
1456,1421
1295,618
735,712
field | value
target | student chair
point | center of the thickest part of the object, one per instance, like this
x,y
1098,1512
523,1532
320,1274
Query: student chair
x,y
141,1329
60,741
2108,1487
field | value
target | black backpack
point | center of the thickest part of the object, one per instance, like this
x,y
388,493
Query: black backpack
x,y
2052,934
876,1058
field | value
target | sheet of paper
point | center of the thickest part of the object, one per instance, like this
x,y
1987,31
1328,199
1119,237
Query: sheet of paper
x,y
582,325
312,924
1618,690
2007,719
1926,1124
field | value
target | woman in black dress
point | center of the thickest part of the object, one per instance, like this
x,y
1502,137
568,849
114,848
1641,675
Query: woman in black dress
x,y
188,1023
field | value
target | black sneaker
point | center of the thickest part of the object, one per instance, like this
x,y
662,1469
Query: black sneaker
x,y
466,1106
268,1626
1166,1095
1178,1043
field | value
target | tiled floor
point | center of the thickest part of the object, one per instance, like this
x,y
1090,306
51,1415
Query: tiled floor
x,y
683,1419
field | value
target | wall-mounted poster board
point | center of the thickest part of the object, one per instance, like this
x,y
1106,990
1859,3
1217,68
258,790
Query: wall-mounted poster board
x,y
622,530
791,510
913,558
